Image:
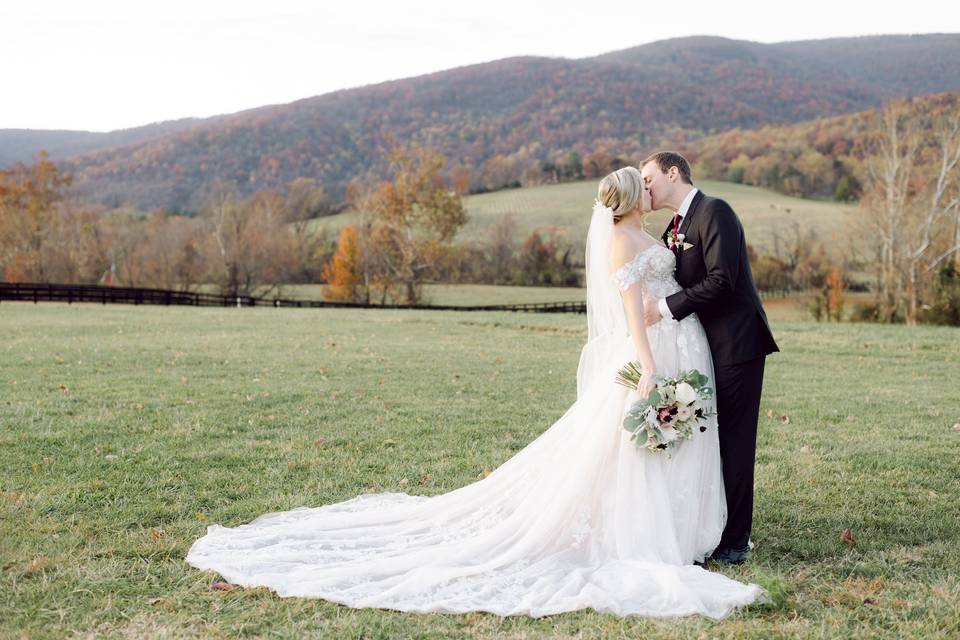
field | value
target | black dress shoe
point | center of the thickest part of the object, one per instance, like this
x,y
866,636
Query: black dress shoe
x,y
730,556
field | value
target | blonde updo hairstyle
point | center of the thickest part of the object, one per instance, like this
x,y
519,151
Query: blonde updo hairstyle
x,y
621,191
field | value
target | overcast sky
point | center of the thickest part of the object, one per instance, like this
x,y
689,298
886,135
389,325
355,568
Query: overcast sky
x,y
106,64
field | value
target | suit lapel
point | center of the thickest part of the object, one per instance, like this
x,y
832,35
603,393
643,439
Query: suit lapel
x,y
666,232
685,223
694,206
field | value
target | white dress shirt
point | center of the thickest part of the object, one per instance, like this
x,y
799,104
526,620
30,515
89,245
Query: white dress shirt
x,y
682,211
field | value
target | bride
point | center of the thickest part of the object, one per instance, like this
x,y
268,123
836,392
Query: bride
x,y
580,518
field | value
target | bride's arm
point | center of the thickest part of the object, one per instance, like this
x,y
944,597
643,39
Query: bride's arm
x,y
633,306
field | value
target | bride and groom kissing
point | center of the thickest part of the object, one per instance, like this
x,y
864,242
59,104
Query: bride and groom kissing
x,y
580,517
712,268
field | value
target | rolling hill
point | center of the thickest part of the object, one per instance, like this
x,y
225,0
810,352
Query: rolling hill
x,y
23,144
503,119
565,209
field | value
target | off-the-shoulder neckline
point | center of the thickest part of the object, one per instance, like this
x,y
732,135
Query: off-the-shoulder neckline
x,y
637,256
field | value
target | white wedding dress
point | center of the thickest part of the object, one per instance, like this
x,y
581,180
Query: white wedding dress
x,y
580,518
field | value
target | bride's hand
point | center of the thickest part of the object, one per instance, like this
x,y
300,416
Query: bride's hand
x,y
646,384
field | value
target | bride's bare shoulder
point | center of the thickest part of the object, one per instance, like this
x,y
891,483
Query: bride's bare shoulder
x,y
622,249
625,246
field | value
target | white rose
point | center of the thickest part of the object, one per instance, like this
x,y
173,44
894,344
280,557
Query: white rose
x,y
685,393
684,413
669,434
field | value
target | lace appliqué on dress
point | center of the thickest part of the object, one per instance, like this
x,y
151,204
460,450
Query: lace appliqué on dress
x,y
653,268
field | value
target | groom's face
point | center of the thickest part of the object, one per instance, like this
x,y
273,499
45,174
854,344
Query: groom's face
x,y
657,184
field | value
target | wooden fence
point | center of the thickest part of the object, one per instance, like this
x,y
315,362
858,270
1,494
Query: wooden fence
x,y
70,293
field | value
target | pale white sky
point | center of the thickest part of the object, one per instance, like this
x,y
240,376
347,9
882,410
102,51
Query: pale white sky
x,y
109,64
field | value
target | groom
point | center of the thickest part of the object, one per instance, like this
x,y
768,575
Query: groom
x,y
712,267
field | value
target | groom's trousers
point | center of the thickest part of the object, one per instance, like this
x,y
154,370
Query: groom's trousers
x,y
738,408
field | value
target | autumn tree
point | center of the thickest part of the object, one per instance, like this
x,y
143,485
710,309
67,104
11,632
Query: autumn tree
x,y
306,199
834,287
912,202
414,217
344,272
246,248
546,261
165,251
502,249
462,179
30,198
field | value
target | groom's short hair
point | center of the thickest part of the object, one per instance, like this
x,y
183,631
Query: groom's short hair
x,y
667,159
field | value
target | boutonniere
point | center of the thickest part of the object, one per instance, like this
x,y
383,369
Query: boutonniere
x,y
675,241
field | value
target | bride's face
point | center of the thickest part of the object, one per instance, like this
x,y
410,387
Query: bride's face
x,y
645,202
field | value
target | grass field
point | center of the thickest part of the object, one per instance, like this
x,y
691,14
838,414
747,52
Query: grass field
x,y
566,208
466,294
126,431
793,307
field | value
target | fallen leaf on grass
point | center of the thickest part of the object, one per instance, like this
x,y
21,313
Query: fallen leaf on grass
x,y
847,536
63,389
221,586
769,413
785,419
319,441
425,479
155,535
486,472
805,449
956,427
404,482
38,563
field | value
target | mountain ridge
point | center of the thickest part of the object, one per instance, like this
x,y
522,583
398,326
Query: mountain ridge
x,y
509,118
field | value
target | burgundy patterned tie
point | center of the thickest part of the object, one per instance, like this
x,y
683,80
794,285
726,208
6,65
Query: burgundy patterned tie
x,y
676,223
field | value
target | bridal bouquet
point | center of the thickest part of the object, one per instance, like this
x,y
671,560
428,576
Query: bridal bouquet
x,y
669,412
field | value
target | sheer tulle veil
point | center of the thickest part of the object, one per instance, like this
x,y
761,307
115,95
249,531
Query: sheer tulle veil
x,y
606,320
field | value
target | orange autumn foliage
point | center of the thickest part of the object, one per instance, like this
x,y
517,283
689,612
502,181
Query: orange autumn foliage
x,y
343,273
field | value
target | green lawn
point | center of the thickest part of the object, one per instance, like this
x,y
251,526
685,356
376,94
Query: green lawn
x,y
464,294
126,431
566,208
793,307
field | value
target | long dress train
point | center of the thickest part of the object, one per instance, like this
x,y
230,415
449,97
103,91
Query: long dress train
x,y
580,518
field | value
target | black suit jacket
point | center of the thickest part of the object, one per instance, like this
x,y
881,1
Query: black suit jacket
x,y
718,284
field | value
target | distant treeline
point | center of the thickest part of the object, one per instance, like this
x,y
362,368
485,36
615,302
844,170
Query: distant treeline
x,y
903,161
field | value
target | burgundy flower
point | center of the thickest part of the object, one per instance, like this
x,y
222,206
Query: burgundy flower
x,y
666,414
